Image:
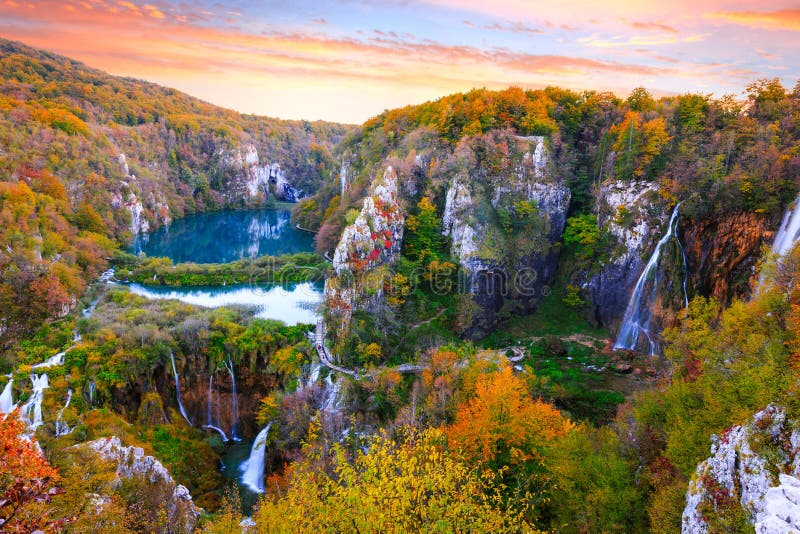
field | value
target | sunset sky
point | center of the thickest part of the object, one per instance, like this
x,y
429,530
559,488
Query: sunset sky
x,y
351,59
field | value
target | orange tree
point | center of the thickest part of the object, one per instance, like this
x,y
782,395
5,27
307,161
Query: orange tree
x,y
502,429
27,481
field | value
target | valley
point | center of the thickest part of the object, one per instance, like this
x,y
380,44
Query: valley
x,y
543,309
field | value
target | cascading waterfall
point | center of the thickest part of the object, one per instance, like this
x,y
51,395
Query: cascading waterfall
x,y
178,388
52,361
62,428
253,468
7,398
638,314
234,402
91,392
313,374
333,397
787,236
32,410
209,413
789,231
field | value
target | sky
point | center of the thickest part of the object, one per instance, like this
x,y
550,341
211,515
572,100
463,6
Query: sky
x,y
348,60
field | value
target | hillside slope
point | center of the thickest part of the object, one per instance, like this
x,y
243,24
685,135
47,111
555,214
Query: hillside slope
x,y
88,159
490,179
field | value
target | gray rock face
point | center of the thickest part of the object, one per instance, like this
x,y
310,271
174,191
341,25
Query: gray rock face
x,y
133,462
377,233
631,213
495,276
767,488
374,238
260,177
157,209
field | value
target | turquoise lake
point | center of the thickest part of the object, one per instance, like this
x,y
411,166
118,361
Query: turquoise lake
x,y
225,236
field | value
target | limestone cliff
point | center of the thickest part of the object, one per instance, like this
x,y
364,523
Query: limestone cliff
x,y
373,239
173,499
258,179
377,233
755,467
141,217
632,213
722,253
512,257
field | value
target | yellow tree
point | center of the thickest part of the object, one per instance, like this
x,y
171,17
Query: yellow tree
x,y
414,485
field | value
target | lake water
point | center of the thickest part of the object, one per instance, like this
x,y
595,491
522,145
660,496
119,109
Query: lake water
x,y
225,236
292,304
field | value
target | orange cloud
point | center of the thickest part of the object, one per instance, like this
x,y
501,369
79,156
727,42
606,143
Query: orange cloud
x,y
785,19
313,74
653,26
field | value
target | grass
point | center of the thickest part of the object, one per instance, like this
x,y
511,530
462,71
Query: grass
x,y
574,377
553,317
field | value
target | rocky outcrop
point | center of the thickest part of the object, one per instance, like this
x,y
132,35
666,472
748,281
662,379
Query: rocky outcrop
x,y
632,213
141,217
132,462
345,173
722,253
456,220
376,235
502,267
261,178
373,239
755,468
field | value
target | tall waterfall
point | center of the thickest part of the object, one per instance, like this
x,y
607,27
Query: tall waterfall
x,y
32,410
62,428
178,388
234,402
253,468
209,410
7,398
638,314
92,387
789,231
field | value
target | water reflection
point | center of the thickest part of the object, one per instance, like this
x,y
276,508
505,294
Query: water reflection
x,y
291,304
225,236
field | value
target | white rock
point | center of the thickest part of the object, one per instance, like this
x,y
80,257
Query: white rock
x,y
132,461
773,508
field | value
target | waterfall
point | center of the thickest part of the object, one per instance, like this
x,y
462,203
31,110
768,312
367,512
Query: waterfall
x,y
52,361
62,428
313,375
789,231
253,468
32,410
636,321
787,236
209,414
178,388
333,398
7,398
91,392
234,402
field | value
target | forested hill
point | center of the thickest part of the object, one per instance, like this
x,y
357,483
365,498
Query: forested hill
x,y
87,159
513,178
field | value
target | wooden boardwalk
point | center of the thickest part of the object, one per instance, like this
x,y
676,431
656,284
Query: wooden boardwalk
x,y
326,359
325,356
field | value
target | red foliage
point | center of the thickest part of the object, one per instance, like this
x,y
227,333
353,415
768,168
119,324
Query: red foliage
x,y
26,477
